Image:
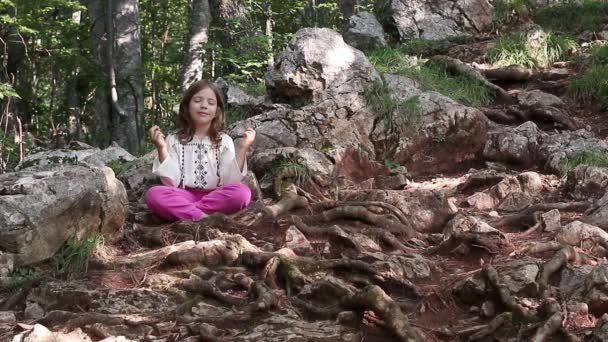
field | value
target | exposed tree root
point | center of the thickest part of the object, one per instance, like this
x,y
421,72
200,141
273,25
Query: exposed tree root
x,y
361,213
266,299
480,180
491,327
210,289
391,208
484,241
509,73
506,298
374,298
457,67
562,257
527,215
552,325
288,201
552,114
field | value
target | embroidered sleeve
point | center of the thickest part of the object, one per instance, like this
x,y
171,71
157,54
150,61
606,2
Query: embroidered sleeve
x,y
229,168
169,170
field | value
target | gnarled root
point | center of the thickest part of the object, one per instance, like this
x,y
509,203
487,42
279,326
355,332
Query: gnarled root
x,y
374,298
552,325
506,298
361,213
288,201
491,327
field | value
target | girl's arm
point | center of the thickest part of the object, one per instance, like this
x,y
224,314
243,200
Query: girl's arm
x,y
245,143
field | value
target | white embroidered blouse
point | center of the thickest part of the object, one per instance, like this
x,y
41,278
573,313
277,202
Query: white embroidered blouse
x,y
198,164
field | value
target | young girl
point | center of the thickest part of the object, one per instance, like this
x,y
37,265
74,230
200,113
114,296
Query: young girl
x,y
198,163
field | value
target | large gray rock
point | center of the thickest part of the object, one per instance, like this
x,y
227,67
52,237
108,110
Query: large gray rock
x,y
364,32
514,144
585,182
91,156
42,207
434,20
325,129
528,145
598,214
318,65
436,117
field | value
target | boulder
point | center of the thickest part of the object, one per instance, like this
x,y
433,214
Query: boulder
x,y
585,182
435,117
434,20
318,65
80,154
364,32
514,144
40,208
598,214
538,98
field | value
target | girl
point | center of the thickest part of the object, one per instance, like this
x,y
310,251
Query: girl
x,y
198,163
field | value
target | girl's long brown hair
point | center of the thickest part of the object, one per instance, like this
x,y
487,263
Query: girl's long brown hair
x,y
185,131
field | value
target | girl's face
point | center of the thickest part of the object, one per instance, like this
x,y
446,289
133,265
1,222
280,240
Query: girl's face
x,y
203,107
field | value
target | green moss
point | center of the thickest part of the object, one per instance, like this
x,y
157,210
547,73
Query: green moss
x,y
587,157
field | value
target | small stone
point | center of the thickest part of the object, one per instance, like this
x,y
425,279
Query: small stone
x,y
348,318
203,272
493,213
481,201
295,240
474,309
551,220
391,182
488,309
33,311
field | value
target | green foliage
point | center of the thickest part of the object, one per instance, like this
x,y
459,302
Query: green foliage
x,y
74,254
507,12
515,49
7,90
19,277
389,164
586,157
573,16
296,169
397,113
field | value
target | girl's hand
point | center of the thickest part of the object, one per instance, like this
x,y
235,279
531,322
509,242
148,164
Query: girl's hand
x,y
248,138
157,137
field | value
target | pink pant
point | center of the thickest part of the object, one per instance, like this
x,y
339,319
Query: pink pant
x,y
173,203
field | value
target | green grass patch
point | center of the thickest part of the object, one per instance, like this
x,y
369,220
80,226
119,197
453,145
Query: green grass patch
x,y
587,157
396,113
74,254
19,277
591,87
515,49
431,77
288,168
459,88
573,17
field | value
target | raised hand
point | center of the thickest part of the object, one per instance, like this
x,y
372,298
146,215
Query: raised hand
x,y
157,137
248,138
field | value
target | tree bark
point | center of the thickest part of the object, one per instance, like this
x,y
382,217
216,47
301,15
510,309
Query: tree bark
x,y
119,105
198,28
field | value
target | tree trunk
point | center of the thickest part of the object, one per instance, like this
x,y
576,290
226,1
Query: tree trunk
x,y
347,7
198,28
117,49
233,17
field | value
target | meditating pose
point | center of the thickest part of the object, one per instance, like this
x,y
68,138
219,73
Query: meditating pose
x,y
198,164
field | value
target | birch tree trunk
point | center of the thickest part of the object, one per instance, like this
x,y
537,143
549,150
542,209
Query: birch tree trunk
x,y
119,105
198,34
